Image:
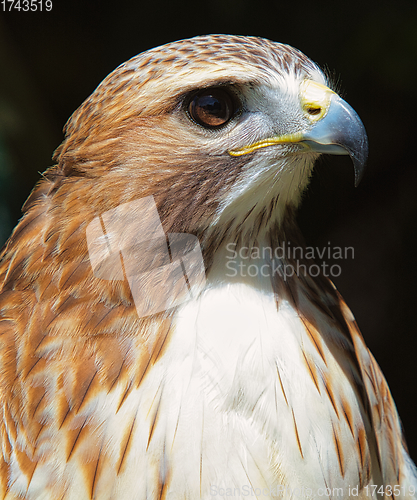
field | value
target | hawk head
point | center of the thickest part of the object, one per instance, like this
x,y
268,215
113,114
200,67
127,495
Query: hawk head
x,y
222,130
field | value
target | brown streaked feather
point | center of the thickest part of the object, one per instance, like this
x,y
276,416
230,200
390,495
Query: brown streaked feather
x,y
125,443
312,369
282,387
330,394
383,412
297,436
339,450
381,436
347,412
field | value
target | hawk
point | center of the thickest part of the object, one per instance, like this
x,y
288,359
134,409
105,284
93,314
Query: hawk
x,y
154,344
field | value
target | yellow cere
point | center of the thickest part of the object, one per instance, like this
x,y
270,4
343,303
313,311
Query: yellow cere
x,y
315,101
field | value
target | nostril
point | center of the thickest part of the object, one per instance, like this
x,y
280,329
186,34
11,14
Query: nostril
x,y
313,110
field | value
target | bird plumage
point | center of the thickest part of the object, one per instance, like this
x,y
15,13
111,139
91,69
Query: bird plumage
x,y
259,382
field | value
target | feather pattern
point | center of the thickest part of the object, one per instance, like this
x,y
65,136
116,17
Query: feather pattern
x,y
259,384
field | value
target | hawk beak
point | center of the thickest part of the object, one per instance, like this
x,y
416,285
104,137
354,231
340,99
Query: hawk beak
x,y
335,128
340,132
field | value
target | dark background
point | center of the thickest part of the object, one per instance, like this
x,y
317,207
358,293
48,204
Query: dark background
x,y
51,61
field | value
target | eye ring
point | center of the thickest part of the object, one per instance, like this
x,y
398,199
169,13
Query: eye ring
x,y
212,108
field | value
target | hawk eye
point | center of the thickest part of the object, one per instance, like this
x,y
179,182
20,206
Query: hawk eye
x,y
211,108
